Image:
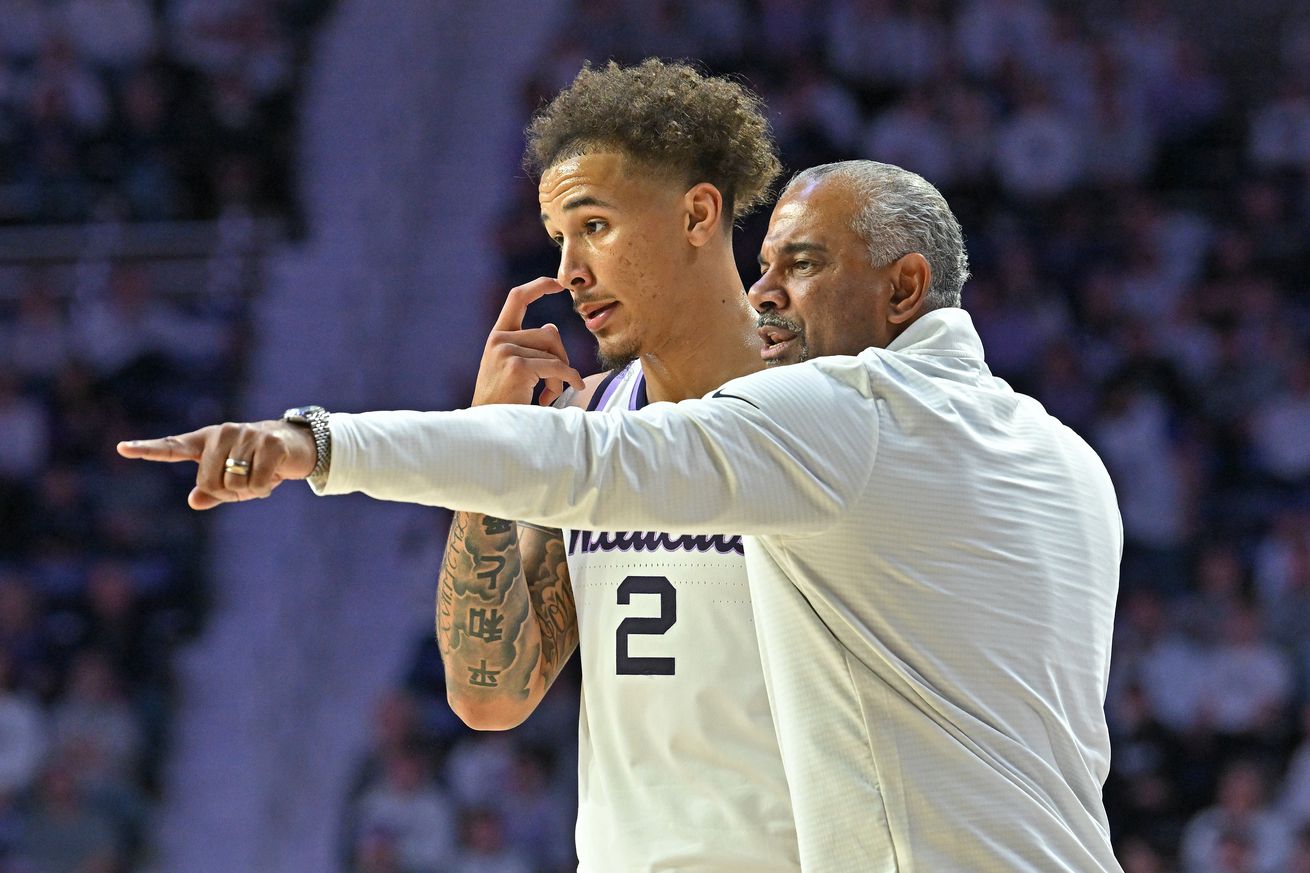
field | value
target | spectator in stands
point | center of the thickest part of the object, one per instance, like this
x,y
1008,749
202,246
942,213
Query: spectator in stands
x,y
38,342
1139,856
95,723
1280,425
1280,129
1299,862
1248,683
23,422
395,730
26,27
1240,823
23,728
535,814
378,851
111,34
1040,151
483,848
910,135
1295,802
64,833
478,767
407,803
989,34
1135,438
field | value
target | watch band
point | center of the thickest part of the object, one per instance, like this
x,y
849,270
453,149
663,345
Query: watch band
x,y
316,418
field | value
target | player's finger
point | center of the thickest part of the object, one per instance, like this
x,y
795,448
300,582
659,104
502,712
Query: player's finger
x,y
554,368
550,392
546,338
514,350
185,447
519,298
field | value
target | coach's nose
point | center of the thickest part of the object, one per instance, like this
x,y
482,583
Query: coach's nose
x,y
768,293
574,272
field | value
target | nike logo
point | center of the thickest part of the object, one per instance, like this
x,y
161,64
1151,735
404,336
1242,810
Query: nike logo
x,y
717,394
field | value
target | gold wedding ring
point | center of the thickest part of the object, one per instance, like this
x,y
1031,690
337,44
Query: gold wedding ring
x,y
236,467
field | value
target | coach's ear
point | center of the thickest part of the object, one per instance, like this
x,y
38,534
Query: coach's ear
x,y
704,205
910,275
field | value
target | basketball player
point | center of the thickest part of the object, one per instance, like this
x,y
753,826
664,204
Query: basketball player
x,y
679,767
933,559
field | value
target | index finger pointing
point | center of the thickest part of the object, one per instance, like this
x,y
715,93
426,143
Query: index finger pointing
x,y
516,304
186,447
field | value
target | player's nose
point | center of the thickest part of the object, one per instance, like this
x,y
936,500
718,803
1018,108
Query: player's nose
x,y
574,273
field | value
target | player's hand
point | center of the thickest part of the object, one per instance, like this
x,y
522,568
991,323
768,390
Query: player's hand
x,y
275,451
515,360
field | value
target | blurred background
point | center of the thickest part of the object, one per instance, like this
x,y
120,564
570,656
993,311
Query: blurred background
x,y
221,208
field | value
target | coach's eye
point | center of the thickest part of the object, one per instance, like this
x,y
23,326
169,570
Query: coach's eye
x,y
558,240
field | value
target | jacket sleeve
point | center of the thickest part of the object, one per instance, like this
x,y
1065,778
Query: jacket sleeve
x,y
778,452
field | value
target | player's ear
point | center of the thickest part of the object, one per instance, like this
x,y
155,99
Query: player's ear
x,y
704,207
910,277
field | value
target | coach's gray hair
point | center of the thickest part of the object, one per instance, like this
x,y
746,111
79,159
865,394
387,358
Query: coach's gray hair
x,y
902,213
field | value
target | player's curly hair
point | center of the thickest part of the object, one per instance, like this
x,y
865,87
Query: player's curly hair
x,y
667,116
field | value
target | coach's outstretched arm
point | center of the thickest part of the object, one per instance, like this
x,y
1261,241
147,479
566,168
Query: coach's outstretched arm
x,y
783,451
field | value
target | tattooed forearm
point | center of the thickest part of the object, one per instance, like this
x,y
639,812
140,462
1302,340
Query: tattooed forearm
x,y
552,596
498,639
485,622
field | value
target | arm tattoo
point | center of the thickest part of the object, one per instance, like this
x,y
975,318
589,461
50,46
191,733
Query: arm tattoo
x,y
552,597
499,635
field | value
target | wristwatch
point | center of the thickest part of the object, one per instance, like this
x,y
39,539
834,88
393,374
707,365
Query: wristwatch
x,y
316,419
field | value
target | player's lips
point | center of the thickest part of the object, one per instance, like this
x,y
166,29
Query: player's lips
x,y
595,315
777,341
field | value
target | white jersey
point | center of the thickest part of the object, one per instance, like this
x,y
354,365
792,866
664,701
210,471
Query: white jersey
x,y
933,564
678,761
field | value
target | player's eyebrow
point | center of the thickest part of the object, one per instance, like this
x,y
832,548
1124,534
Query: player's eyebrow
x,y
579,202
796,248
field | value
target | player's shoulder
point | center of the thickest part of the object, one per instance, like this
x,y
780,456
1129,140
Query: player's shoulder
x,y
591,386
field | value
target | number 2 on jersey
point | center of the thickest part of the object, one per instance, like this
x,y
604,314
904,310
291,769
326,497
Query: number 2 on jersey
x,y
625,664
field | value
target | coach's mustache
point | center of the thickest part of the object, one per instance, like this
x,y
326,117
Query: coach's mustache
x,y
769,319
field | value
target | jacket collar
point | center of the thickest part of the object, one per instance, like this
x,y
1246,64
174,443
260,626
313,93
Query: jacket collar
x,y
947,331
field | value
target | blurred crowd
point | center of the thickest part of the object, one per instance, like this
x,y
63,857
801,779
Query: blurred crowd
x,y
117,111
148,109
1137,211
101,575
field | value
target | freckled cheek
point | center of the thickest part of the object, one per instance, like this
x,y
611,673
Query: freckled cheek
x,y
638,267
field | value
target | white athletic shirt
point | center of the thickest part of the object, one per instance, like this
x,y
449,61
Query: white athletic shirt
x,y
678,760
933,563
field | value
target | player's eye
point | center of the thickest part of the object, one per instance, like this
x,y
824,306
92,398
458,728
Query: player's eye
x,y
558,240
596,225
802,266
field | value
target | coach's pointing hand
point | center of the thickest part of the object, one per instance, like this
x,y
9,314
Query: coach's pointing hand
x,y
234,461
515,359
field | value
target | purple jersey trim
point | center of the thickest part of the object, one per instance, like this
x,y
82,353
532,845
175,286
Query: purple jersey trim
x,y
607,389
638,397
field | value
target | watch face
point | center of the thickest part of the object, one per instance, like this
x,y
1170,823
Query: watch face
x,y
298,413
